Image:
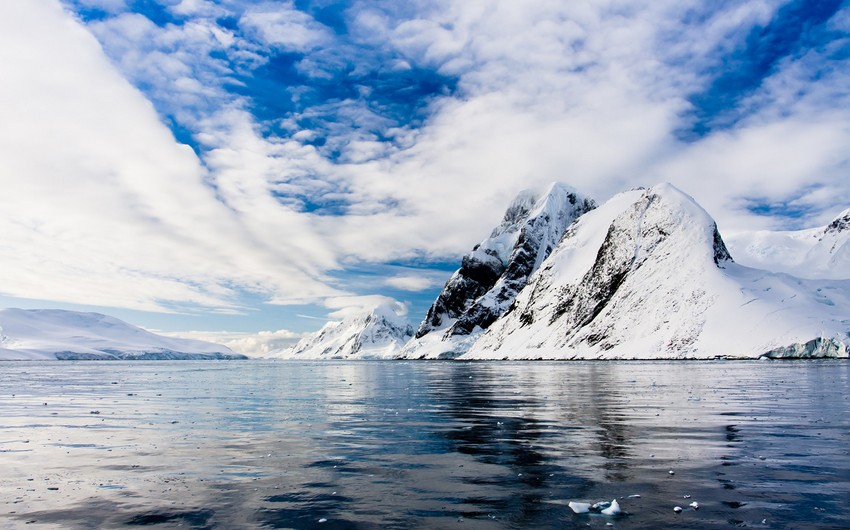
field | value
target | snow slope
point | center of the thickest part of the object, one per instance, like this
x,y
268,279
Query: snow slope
x,y
375,334
646,276
814,253
51,334
496,270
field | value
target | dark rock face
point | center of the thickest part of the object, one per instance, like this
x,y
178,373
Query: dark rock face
x,y
721,253
840,224
488,281
532,247
471,281
583,302
629,243
478,273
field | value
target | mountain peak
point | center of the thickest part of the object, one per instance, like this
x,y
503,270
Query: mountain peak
x,y
490,276
375,332
647,275
516,212
685,211
840,223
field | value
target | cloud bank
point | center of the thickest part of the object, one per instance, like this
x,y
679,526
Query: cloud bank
x,y
178,156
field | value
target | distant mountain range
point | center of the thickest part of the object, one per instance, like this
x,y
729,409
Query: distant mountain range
x,y
50,334
646,275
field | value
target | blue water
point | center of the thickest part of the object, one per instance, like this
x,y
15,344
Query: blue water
x,y
423,444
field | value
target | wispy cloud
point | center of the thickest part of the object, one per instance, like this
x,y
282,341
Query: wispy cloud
x,y
104,207
411,283
324,137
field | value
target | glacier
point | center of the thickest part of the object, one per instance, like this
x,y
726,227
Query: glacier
x,y
51,334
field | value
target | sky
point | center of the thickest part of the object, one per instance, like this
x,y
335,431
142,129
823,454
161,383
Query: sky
x,y
247,170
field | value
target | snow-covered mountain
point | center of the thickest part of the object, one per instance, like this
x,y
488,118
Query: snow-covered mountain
x,y
496,270
50,334
814,253
378,333
647,275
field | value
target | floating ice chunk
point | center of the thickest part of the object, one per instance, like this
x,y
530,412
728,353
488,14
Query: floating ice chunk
x,y
634,496
671,472
677,509
614,509
694,505
579,507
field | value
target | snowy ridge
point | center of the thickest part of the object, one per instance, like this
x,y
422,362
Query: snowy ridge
x,y
50,334
496,270
378,333
815,253
480,269
647,276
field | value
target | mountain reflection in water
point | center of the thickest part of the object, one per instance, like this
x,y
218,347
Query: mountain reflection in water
x,y
423,444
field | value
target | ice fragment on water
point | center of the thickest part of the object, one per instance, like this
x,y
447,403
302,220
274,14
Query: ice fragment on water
x,y
677,509
614,509
579,507
694,505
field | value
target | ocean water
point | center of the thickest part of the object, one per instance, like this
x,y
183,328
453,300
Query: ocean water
x,y
423,444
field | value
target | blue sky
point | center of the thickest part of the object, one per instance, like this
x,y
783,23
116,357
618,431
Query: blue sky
x,y
240,166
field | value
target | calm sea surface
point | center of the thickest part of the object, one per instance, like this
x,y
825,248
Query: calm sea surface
x,y
423,444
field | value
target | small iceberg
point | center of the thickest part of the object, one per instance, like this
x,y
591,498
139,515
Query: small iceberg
x,y
579,507
611,509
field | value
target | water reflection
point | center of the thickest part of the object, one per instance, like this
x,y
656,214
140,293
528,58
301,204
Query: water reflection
x,y
422,445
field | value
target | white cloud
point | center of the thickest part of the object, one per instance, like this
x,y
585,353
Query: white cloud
x,y
280,24
204,8
108,209
346,306
258,344
411,283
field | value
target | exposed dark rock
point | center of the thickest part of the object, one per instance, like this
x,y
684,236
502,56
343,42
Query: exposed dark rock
x,y
533,245
471,281
721,253
840,224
